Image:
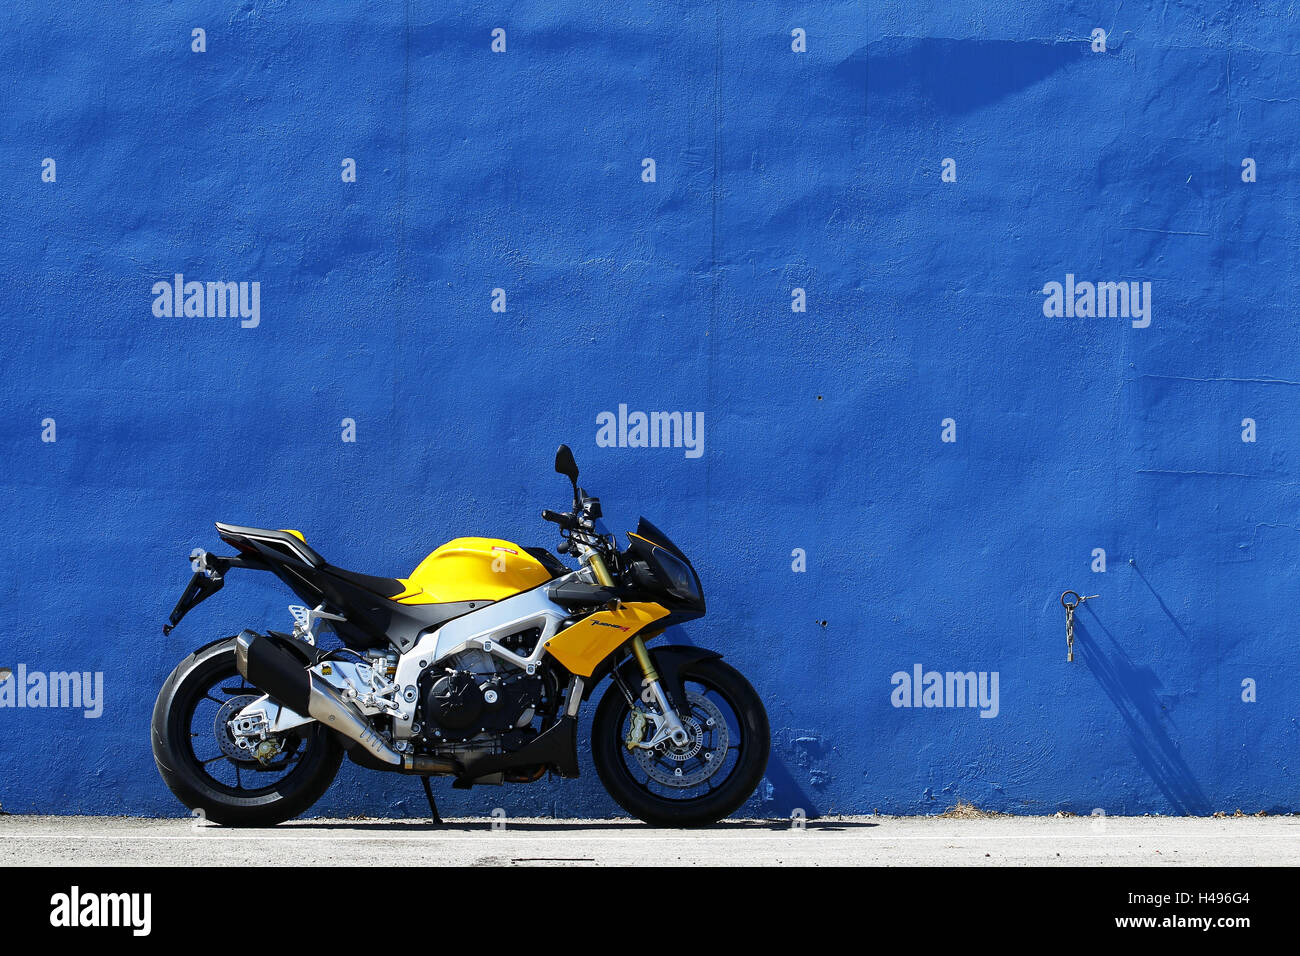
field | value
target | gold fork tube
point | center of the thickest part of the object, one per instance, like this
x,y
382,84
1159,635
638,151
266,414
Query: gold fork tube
x,y
603,577
638,642
643,658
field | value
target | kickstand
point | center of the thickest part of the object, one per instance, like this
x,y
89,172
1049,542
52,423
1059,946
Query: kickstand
x,y
433,806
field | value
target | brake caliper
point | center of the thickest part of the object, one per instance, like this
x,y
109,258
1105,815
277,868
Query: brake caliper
x,y
267,750
637,733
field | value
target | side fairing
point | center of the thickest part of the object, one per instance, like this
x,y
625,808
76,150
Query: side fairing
x,y
585,644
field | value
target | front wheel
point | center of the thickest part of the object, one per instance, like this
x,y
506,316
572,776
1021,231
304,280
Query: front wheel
x,y
204,767
702,781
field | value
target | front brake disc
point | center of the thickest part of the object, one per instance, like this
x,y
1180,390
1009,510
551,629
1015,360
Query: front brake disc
x,y
700,757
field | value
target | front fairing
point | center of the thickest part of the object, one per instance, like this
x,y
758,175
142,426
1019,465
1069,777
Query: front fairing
x,y
658,567
644,529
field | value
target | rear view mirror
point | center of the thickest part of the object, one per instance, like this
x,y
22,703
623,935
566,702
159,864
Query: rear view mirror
x,y
564,463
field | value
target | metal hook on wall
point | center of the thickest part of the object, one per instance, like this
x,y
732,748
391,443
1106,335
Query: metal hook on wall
x,y
1069,619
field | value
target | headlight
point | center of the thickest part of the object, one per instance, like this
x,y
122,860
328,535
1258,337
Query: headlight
x,y
676,577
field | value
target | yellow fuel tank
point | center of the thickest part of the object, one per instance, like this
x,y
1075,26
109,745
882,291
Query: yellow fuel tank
x,y
472,569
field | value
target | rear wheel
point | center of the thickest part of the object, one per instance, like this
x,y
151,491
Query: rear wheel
x,y
702,781
201,763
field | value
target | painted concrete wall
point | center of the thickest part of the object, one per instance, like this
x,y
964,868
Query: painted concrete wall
x,y
774,170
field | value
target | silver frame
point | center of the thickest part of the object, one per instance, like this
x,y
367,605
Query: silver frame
x,y
480,630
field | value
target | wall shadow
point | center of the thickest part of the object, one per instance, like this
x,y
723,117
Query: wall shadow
x,y
960,75
1159,600
787,794
1133,691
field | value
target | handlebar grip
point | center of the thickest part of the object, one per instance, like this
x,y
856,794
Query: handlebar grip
x,y
557,517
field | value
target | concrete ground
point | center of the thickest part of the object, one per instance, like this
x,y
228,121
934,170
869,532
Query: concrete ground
x,y
856,841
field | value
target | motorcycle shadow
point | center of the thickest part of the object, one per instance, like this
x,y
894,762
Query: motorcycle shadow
x,y
488,824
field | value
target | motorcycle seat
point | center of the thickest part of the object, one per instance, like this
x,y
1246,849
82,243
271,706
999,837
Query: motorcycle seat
x,y
294,543
384,587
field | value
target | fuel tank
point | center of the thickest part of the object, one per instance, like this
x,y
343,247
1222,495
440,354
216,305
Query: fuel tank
x,y
472,569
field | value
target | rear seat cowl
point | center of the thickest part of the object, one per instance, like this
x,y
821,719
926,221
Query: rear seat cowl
x,y
293,543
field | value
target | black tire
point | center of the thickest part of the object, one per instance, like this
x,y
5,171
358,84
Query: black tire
x,y
636,797
186,774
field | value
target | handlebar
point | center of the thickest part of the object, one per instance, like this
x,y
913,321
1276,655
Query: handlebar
x,y
563,520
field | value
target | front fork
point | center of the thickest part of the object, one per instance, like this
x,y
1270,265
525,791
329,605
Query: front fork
x,y
672,728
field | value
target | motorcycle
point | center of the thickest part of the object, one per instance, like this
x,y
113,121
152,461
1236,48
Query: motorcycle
x,y
475,667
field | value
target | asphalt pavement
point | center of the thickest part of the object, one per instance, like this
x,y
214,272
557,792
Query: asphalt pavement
x,y
852,841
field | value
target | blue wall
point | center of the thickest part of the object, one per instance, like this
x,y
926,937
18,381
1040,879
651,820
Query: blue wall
x,y
775,170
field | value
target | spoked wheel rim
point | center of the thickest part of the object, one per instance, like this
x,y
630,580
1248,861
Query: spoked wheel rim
x,y
213,697
691,773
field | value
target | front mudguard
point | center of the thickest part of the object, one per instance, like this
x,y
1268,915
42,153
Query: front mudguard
x,y
671,662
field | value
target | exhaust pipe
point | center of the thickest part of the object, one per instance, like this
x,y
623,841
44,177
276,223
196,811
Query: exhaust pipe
x,y
275,669
272,665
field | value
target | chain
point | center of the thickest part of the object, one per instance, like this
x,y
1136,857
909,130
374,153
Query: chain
x,y
1069,619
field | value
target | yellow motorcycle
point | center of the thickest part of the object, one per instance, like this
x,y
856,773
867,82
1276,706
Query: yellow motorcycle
x,y
475,667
